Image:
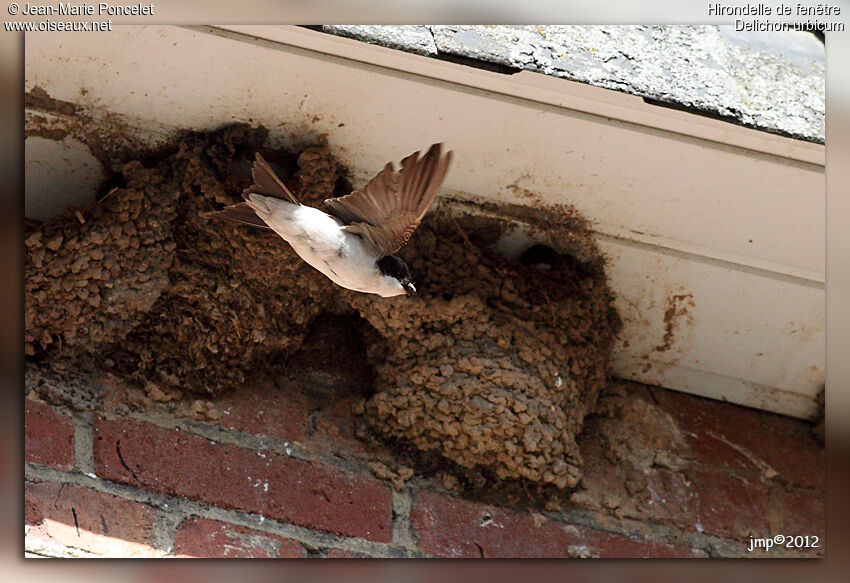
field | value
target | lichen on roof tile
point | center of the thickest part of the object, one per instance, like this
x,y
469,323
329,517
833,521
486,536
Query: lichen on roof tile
x,y
410,38
770,81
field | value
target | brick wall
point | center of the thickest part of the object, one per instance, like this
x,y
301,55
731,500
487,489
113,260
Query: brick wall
x,y
269,471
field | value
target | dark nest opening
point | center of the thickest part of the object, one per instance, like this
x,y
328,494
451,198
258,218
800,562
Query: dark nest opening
x,y
492,368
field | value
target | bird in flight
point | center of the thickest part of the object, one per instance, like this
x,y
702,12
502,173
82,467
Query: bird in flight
x,y
354,244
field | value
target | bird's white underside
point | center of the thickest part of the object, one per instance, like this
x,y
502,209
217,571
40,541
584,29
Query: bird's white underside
x,y
320,240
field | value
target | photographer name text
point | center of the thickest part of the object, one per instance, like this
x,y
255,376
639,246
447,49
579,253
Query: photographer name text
x,y
99,9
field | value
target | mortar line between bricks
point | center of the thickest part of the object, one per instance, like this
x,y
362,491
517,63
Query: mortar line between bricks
x,y
646,530
402,535
657,532
185,507
246,440
189,508
294,449
749,475
711,544
83,442
165,529
297,450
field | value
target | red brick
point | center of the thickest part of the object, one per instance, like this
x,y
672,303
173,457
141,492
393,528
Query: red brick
x,y
276,486
285,413
331,371
335,426
729,506
792,450
84,518
608,545
452,527
740,437
800,514
203,537
49,436
263,410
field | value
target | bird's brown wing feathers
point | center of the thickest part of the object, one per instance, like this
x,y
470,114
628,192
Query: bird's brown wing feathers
x,y
388,209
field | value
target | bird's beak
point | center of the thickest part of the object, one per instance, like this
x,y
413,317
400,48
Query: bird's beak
x,y
409,288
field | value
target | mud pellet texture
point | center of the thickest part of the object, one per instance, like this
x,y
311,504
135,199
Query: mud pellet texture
x,y
178,302
493,366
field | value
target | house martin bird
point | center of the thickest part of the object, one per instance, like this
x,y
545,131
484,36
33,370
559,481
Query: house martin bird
x,y
354,244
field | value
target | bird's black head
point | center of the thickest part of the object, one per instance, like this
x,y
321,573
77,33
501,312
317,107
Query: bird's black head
x,y
394,266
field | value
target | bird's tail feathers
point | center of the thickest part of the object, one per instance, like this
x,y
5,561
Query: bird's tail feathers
x,y
238,213
267,183
262,198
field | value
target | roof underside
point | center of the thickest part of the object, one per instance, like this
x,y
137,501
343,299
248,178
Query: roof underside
x,y
770,81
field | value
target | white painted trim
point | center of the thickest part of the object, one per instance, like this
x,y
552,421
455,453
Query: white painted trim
x,y
684,206
534,87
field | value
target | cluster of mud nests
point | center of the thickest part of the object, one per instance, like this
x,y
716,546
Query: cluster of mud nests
x,y
493,366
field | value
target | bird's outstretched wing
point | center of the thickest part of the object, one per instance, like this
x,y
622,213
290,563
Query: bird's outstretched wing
x,y
388,209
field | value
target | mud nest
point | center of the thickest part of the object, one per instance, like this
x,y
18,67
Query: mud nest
x,y
143,285
493,366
